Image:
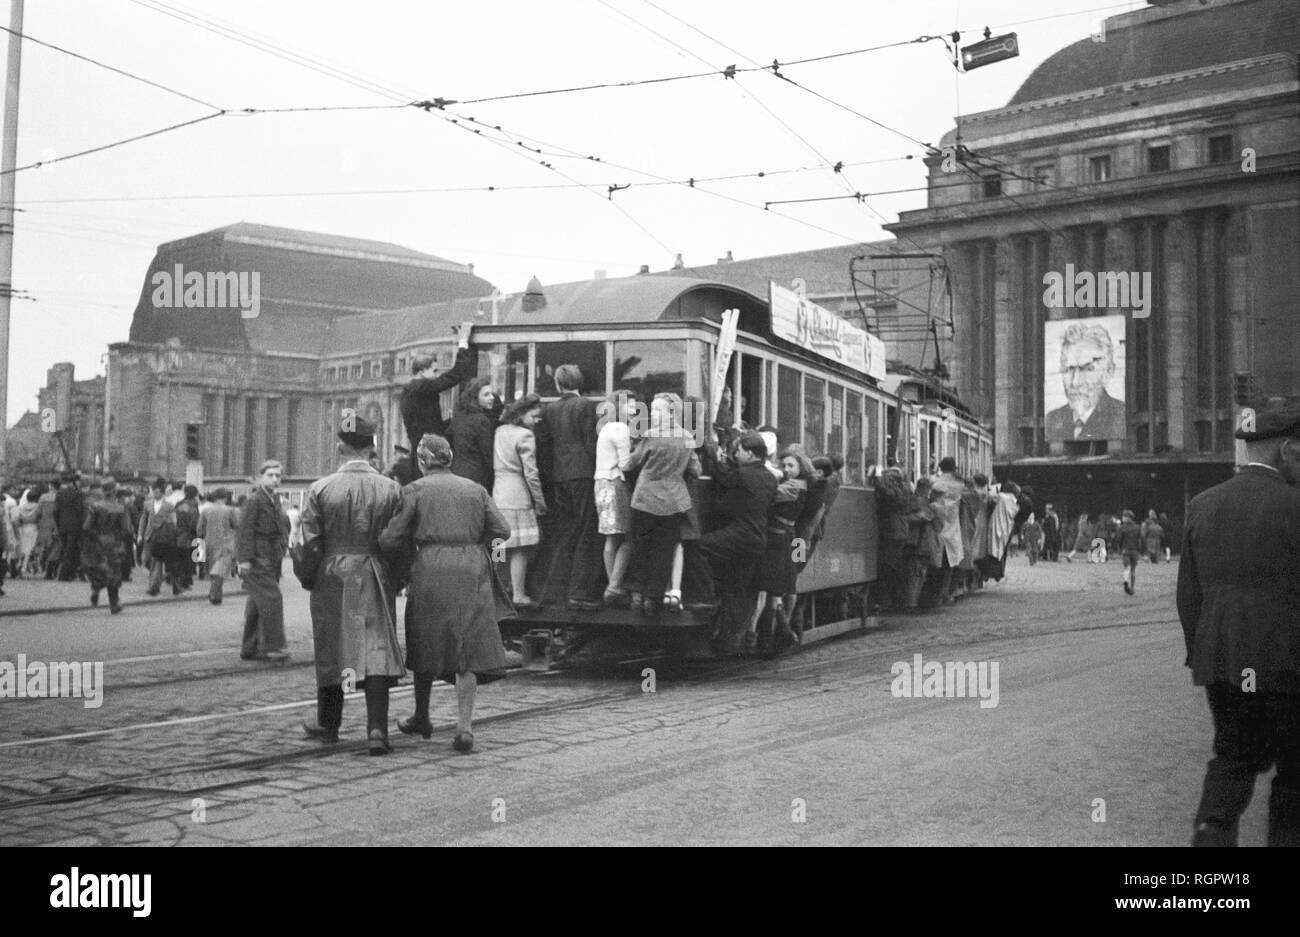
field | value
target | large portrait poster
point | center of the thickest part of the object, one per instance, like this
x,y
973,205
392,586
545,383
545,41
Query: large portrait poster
x,y
1083,390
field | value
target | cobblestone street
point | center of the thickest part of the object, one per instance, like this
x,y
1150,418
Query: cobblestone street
x,y
193,746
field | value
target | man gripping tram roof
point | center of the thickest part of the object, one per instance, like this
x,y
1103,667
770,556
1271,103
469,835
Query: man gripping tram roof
x,y
420,407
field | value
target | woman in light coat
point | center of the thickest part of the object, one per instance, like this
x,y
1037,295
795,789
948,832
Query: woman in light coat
x,y
517,489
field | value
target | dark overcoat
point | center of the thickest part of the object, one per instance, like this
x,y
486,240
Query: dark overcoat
x,y
454,599
1239,582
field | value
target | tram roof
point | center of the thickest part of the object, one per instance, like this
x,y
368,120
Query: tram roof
x,y
622,300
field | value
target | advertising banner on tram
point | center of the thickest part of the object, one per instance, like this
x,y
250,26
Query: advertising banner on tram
x,y
822,332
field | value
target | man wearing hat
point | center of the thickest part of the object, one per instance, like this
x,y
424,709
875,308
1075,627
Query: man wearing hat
x,y
69,516
260,547
1239,602
352,602
105,531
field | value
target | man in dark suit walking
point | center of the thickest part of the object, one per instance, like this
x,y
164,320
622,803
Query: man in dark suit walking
x,y
568,432
1239,602
69,516
260,546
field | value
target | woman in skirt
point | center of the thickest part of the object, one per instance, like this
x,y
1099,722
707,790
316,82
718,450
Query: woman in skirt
x,y
613,502
517,489
780,573
454,600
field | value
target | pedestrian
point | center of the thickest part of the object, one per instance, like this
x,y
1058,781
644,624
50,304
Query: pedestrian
x,y
454,599
158,537
260,546
662,458
47,532
1167,526
1032,534
1129,546
473,431
294,513
218,529
420,405
29,511
517,490
1082,539
567,432
104,546
69,516
127,500
1153,537
1239,604
731,552
1051,535
951,487
612,497
400,469
187,532
11,498
352,602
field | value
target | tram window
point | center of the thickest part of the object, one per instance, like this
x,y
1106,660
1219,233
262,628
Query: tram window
x,y
507,367
650,368
835,436
871,430
814,416
853,469
588,356
789,427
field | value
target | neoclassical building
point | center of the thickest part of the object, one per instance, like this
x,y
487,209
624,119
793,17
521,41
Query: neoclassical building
x,y
240,389
1166,149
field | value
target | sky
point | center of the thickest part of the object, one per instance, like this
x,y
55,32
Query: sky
x,y
88,227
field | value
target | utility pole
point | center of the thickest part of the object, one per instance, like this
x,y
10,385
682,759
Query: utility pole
x,y
8,160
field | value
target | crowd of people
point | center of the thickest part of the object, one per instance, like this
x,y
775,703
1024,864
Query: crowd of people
x,y
99,532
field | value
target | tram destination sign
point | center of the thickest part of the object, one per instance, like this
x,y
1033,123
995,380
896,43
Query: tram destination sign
x,y
822,332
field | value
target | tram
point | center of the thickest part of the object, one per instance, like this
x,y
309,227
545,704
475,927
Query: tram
x,y
801,369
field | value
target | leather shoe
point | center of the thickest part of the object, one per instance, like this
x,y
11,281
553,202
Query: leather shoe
x,y
411,727
314,731
464,742
379,742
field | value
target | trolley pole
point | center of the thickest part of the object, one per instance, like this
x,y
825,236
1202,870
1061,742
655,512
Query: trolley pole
x,y
8,160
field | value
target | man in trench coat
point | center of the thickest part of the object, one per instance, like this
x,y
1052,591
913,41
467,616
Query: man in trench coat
x,y
352,602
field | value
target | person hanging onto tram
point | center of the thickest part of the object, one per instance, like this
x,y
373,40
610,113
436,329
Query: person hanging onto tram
x,y
473,430
664,456
517,489
730,553
689,587
811,520
778,576
613,500
420,406
567,431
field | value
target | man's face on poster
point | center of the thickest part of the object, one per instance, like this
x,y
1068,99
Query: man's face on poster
x,y
1086,368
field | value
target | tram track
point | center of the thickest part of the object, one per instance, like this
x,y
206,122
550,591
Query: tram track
x,y
720,671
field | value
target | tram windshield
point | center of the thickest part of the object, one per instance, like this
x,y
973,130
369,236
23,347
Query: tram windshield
x,y
649,367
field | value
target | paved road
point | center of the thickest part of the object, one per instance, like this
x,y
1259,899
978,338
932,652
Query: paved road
x,y
1093,703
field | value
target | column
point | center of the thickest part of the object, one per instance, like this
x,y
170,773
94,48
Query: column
x,y
238,464
1121,257
1179,282
1008,371
215,430
280,431
1237,245
258,433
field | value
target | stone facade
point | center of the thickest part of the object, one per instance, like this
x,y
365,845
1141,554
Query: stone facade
x,y
1190,175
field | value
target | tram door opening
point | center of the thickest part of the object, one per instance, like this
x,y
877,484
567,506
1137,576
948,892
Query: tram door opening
x,y
745,378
